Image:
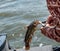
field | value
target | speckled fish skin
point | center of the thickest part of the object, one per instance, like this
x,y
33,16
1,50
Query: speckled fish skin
x,y
29,33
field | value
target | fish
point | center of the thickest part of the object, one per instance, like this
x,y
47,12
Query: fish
x,y
30,32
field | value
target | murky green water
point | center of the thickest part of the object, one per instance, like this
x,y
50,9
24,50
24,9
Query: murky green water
x,y
16,14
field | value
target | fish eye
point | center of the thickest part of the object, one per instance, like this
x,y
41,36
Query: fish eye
x,y
34,22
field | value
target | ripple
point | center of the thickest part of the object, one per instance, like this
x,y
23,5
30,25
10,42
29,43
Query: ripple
x,y
7,4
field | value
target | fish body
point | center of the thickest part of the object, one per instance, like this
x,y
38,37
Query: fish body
x,y
29,33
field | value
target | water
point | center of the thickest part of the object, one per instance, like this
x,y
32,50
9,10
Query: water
x,y
16,14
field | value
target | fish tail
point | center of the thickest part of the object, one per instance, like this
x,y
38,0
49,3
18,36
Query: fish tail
x,y
27,46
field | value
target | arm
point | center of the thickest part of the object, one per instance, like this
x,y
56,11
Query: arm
x,y
51,32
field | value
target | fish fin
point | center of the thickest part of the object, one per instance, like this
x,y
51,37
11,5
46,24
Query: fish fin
x,y
26,27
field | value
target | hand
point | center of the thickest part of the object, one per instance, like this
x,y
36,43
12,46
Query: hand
x,y
50,32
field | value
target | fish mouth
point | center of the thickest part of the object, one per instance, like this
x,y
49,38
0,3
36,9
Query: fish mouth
x,y
40,22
